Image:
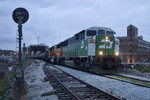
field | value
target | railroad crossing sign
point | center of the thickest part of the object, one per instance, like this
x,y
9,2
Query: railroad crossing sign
x,y
20,15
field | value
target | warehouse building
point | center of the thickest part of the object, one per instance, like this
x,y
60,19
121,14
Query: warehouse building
x,y
133,48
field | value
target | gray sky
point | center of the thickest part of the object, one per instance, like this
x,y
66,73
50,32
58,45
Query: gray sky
x,y
56,20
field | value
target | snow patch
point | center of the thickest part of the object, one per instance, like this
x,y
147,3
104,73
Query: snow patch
x,y
33,76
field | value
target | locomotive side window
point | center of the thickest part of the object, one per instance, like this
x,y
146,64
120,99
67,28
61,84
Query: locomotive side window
x,y
82,34
77,36
109,33
101,32
91,32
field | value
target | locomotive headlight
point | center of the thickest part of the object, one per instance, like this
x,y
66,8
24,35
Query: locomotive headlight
x,y
106,39
117,53
100,53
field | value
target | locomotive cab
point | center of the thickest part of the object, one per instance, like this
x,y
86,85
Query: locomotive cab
x,y
104,51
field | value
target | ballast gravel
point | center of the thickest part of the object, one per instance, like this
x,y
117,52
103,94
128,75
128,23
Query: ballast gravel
x,y
121,89
36,87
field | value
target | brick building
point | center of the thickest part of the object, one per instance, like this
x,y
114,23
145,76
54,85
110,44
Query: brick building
x,y
133,48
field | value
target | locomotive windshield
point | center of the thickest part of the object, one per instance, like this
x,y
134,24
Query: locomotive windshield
x,y
91,32
101,32
109,33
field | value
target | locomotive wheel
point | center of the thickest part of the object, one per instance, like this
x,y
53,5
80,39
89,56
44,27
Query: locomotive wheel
x,y
84,66
62,61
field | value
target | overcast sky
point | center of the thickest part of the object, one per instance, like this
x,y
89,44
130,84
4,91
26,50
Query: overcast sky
x,y
56,20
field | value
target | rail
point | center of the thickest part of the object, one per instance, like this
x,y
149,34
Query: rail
x,y
68,86
135,81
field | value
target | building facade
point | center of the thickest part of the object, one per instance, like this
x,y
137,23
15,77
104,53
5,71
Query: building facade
x,y
133,48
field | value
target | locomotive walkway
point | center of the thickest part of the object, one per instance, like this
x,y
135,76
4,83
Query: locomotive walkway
x,y
70,88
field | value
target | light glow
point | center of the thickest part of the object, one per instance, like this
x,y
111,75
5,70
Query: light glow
x,y
132,66
117,53
100,53
106,39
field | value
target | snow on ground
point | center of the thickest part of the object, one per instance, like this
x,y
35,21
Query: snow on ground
x,y
121,89
33,76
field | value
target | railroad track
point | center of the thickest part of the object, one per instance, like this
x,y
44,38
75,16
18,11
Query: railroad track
x,y
131,80
70,88
135,81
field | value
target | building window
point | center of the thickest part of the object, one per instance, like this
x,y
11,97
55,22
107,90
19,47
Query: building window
x,y
130,50
131,56
130,45
130,61
139,60
130,30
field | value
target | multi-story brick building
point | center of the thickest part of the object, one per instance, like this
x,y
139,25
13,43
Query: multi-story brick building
x,y
133,48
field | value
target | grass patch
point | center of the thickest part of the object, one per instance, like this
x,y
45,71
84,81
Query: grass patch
x,y
4,83
142,68
8,98
132,80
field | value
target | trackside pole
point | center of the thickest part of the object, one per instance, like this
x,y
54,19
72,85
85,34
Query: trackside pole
x,y
20,16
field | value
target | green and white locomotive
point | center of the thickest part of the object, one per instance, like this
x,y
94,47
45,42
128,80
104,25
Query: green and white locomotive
x,y
94,49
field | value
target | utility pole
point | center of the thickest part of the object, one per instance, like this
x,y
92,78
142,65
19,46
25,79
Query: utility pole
x,y
20,38
38,40
20,16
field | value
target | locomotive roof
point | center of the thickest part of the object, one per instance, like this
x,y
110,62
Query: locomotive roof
x,y
99,28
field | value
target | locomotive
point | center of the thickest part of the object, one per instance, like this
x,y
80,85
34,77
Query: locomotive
x,y
94,49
